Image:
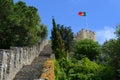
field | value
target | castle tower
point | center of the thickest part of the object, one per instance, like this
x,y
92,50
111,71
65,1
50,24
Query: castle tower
x,y
86,34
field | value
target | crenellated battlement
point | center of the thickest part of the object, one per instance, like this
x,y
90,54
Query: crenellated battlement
x,y
85,34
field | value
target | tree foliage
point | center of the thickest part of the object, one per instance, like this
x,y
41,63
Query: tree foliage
x,y
20,24
117,47
88,70
67,36
88,48
117,32
43,30
111,50
82,70
6,10
108,52
59,72
57,42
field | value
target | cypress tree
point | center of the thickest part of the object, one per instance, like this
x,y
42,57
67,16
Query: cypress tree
x,y
57,42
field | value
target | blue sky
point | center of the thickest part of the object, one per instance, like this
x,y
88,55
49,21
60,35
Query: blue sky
x,y
102,15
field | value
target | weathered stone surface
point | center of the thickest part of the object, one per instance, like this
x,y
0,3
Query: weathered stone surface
x,y
11,61
34,70
86,34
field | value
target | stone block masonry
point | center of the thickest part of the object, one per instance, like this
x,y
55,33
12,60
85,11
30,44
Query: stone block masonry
x,y
86,34
11,61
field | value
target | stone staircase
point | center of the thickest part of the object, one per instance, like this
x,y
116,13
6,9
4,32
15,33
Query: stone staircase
x,y
34,71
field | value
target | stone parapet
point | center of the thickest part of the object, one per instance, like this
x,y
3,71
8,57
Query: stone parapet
x,y
11,61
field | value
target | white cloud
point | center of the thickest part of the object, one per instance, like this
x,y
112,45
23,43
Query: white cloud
x,y
105,34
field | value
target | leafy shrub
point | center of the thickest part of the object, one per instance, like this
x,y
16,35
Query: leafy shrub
x,y
82,70
59,72
89,70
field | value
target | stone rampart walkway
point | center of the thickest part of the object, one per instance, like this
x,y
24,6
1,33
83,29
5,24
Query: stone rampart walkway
x,y
33,71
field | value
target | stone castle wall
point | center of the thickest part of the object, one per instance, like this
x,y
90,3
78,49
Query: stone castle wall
x,y
11,61
86,34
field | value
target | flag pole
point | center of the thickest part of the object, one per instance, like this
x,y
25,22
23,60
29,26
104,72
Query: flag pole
x,y
86,22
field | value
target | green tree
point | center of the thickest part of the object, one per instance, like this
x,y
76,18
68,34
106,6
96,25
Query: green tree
x,y
25,28
43,31
117,32
67,36
57,42
89,70
59,72
88,48
111,50
6,10
82,70
108,52
117,47
20,24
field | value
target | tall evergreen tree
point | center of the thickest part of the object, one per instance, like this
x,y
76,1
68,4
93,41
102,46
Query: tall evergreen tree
x,y
67,36
57,42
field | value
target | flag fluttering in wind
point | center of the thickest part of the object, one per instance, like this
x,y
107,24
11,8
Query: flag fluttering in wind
x,y
82,13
